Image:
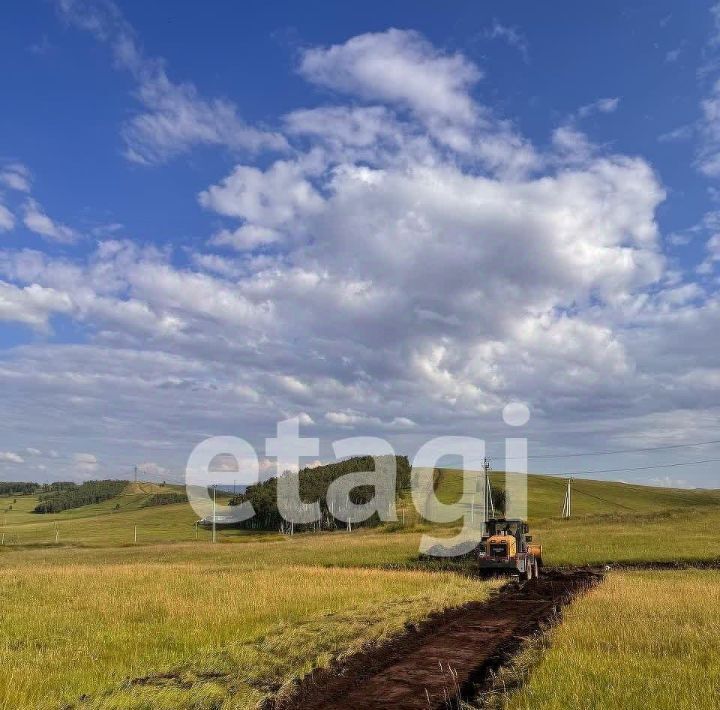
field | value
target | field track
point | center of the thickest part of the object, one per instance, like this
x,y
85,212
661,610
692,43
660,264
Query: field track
x,y
445,658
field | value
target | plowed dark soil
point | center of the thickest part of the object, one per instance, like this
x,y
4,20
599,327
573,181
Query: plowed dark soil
x,y
446,658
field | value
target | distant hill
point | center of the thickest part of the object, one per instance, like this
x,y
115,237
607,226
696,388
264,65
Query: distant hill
x,y
590,497
616,515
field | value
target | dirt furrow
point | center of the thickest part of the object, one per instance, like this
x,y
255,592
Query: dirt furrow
x,y
446,658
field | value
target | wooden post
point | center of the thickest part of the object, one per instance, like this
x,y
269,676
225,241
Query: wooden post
x,y
214,508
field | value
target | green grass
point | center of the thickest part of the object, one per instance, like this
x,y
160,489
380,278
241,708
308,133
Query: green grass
x,y
639,640
545,496
206,626
612,523
111,522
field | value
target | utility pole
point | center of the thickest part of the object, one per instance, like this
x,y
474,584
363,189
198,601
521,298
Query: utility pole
x,y
214,508
135,467
489,505
567,503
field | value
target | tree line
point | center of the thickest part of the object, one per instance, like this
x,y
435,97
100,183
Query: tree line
x,y
9,488
313,484
65,495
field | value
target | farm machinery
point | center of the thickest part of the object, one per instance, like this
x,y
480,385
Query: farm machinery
x,y
507,548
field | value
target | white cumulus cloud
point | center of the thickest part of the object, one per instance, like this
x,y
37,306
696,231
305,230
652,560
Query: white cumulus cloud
x,y
399,66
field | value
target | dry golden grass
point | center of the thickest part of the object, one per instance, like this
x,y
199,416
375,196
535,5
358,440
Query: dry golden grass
x,y
206,628
221,626
639,640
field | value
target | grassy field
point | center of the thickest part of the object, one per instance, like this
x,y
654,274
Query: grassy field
x,y
111,522
203,630
176,622
612,523
639,640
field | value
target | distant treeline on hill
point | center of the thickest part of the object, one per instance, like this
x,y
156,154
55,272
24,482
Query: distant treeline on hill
x,y
8,488
314,483
57,497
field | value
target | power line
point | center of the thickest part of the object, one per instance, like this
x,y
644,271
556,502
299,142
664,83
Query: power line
x,y
645,449
576,472
575,489
533,457
594,471
637,468
179,478
604,500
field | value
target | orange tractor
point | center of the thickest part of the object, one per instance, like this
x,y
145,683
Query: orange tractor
x,y
506,548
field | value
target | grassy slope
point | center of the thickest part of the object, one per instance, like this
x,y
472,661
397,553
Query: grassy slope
x,y
545,496
111,522
639,640
614,522
215,626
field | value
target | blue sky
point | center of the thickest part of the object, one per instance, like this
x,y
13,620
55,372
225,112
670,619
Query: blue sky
x,y
388,218
68,102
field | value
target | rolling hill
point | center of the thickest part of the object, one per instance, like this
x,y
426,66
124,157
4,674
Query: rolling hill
x,y
612,522
590,497
111,522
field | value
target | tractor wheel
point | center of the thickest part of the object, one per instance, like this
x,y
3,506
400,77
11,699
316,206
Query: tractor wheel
x,y
536,569
528,571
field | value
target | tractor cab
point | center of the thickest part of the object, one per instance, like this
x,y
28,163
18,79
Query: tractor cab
x,y
501,527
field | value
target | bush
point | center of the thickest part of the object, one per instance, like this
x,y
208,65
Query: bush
x,y
498,498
